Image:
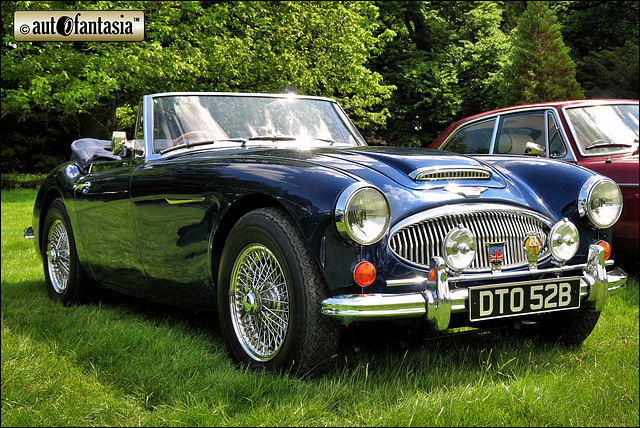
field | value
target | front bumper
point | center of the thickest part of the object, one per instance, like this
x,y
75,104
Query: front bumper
x,y
438,301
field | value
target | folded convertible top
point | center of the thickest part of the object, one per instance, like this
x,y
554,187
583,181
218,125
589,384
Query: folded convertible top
x,y
88,150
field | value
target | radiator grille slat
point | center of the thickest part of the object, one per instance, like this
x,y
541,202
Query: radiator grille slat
x,y
417,243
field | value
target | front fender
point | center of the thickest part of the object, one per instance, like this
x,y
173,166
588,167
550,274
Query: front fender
x,y
58,184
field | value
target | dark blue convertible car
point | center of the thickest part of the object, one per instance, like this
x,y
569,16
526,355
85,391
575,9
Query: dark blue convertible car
x,y
273,210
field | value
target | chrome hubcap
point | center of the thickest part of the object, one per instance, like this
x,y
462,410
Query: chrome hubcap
x,y
259,302
58,253
249,304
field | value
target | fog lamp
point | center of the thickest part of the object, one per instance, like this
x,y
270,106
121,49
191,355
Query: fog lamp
x,y
564,240
459,248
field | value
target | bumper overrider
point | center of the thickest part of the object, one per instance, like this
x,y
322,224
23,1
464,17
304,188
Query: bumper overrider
x,y
438,300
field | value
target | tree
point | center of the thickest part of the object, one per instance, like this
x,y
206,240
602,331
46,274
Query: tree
x,y
539,67
54,92
611,73
603,37
443,60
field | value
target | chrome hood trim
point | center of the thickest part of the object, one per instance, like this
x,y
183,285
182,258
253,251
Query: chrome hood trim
x,y
437,173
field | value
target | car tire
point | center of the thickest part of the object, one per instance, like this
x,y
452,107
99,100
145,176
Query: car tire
x,y
269,296
567,328
66,281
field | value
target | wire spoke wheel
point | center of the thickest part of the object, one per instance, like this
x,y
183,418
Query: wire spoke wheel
x,y
66,280
58,256
259,302
269,294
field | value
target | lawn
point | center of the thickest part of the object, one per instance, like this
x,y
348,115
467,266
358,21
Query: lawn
x,y
122,362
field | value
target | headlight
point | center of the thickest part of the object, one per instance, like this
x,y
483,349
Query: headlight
x,y
600,202
564,240
459,248
362,214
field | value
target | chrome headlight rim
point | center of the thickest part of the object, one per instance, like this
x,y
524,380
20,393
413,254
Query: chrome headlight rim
x,y
556,249
342,207
585,201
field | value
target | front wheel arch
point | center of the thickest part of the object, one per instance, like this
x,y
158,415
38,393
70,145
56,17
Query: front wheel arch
x,y
270,239
221,233
52,195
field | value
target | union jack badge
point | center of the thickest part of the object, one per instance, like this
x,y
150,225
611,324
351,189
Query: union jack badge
x,y
496,252
532,246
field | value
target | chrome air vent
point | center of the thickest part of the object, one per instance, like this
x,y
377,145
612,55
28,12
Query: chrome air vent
x,y
438,174
418,239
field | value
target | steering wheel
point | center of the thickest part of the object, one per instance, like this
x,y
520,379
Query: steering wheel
x,y
187,135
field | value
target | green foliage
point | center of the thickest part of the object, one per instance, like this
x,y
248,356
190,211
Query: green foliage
x,y
88,89
539,67
31,181
611,73
603,37
592,26
403,70
443,60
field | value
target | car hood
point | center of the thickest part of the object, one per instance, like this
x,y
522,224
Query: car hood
x,y
413,168
515,180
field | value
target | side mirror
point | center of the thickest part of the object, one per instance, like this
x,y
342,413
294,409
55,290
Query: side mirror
x,y
533,149
118,140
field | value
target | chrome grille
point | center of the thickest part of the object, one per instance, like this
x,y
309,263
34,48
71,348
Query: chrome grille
x,y
417,242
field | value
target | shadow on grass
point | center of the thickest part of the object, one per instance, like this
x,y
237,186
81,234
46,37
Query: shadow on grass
x,y
385,347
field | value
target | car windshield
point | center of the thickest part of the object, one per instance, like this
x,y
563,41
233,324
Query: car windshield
x,y
227,120
605,129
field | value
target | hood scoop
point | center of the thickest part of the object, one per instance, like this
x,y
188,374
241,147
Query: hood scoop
x,y
451,174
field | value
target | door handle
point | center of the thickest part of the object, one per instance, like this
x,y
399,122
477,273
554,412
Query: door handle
x,y
84,187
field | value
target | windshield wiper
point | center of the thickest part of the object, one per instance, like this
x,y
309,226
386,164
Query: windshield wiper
x,y
274,138
607,144
326,140
289,138
202,143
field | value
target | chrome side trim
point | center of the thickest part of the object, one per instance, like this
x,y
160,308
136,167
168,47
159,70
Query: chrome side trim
x,y
184,201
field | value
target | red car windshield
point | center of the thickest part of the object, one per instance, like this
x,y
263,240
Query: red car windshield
x,y
605,129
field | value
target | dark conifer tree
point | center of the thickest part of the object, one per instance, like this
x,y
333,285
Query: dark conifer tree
x,y
539,68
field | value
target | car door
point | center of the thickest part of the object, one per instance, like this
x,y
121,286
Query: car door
x,y
107,227
531,132
174,216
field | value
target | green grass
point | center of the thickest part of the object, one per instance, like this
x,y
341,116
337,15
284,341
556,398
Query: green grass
x,y
122,362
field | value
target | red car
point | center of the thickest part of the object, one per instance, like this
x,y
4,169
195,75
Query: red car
x,y
601,135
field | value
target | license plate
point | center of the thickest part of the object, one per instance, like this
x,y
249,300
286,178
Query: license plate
x,y
513,299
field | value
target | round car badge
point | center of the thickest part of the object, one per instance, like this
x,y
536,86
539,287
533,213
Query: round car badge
x,y
532,246
496,252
